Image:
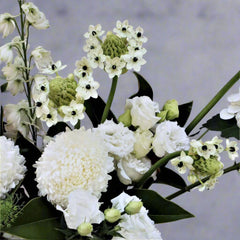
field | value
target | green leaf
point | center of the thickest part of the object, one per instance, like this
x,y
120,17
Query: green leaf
x,y
171,178
160,209
38,221
94,110
228,128
1,122
4,87
57,128
144,88
184,113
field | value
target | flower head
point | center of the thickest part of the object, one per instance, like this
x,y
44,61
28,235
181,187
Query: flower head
x,y
7,24
183,163
232,149
94,31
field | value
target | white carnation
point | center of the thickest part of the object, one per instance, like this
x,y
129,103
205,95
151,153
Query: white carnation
x,y
12,166
75,159
130,169
78,212
143,112
169,137
119,139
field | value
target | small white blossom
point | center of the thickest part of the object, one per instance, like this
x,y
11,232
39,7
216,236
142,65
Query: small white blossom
x,y
50,118
7,24
41,88
92,45
138,35
114,66
210,183
232,148
133,61
41,108
183,163
6,53
123,29
217,144
53,68
94,31
136,48
83,68
87,88
97,58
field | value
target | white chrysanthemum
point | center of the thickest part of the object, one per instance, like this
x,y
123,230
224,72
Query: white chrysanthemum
x,y
75,159
118,139
78,212
12,167
169,137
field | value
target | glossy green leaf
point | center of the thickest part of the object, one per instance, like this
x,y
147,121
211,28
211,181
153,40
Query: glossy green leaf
x,y
1,122
57,128
94,110
171,178
160,209
38,221
228,128
184,113
144,88
4,87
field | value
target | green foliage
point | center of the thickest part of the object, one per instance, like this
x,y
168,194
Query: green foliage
x,y
160,209
4,87
57,128
228,128
1,122
184,113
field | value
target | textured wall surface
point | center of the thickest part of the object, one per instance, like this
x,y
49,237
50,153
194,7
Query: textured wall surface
x,y
193,50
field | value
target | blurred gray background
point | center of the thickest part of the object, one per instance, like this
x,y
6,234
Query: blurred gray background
x,y
193,50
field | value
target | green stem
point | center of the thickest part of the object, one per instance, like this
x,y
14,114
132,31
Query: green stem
x,y
110,99
155,166
212,103
236,166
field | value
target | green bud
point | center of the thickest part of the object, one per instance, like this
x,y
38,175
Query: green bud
x,y
62,90
171,106
208,166
84,229
162,115
133,207
126,118
114,46
112,215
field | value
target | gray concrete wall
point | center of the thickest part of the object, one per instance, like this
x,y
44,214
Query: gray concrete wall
x,y
193,50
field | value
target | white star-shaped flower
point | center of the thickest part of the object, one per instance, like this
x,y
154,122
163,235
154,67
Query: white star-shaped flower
x,y
114,66
94,31
83,68
50,118
123,29
138,35
53,68
92,44
134,61
87,88
232,149
97,58
183,163
41,108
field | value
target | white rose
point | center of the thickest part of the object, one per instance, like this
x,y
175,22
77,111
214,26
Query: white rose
x,y
78,212
143,112
131,169
169,137
143,141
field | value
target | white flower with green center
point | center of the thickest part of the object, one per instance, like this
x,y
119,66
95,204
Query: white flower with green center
x,y
83,68
183,163
114,66
87,88
97,58
232,149
123,29
41,88
35,17
94,31
42,108
73,112
78,212
217,144
12,166
138,35
133,61
203,149
6,53
92,45
75,159
51,118
7,24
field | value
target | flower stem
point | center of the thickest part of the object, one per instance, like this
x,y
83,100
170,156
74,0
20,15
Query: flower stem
x,y
235,166
212,103
155,166
110,99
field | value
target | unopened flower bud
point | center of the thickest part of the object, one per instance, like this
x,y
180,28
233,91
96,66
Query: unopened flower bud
x,y
84,229
171,106
126,118
112,215
133,207
162,115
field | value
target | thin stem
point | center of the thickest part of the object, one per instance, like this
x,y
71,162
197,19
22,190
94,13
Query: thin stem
x,y
155,166
235,166
203,134
212,103
110,99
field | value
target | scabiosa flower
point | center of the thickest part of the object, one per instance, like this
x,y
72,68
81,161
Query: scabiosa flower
x,y
94,31
7,24
75,159
12,166
232,148
183,163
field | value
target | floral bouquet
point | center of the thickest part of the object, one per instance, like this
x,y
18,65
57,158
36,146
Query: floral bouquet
x,y
59,180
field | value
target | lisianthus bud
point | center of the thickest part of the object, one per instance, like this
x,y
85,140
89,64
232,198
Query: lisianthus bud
x,y
112,215
133,207
208,166
84,229
62,90
162,115
114,46
171,106
126,118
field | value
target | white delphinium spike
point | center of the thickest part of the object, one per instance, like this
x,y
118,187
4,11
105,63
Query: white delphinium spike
x,y
6,53
7,24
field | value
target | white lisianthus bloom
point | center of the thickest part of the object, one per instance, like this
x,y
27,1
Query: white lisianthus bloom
x,y
75,159
169,137
7,24
87,88
35,17
143,112
130,169
118,139
123,29
134,61
6,53
183,163
232,149
94,31
143,142
12,166
114,66
78,212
